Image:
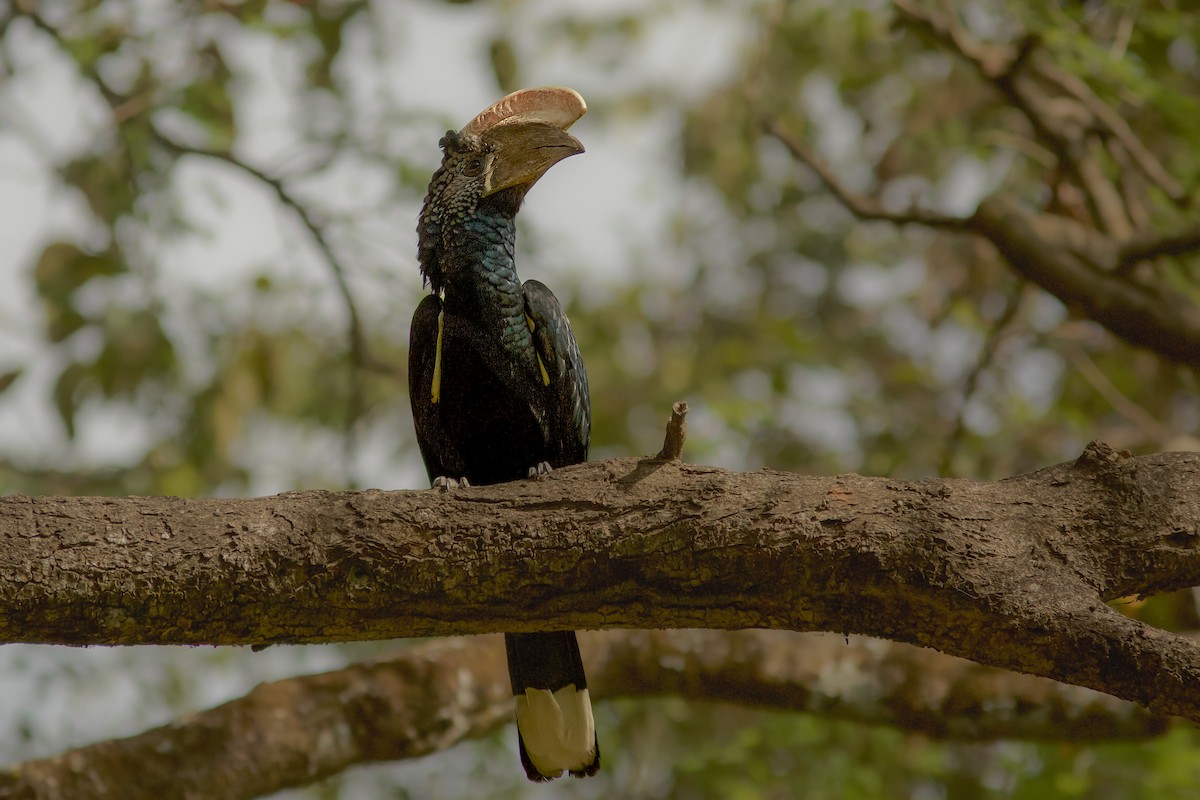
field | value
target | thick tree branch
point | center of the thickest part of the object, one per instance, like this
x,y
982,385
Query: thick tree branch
x,y
1013,574
1078,265
433,695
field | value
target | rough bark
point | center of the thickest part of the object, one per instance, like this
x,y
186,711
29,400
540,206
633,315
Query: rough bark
x,y
433,695
1012,574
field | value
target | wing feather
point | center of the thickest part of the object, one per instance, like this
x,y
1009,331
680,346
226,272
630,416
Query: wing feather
x,y
423,360
570,411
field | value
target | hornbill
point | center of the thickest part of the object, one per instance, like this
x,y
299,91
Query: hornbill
x,y
496,381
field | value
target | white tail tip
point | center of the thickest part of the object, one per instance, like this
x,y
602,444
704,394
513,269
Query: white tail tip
x,y
557,728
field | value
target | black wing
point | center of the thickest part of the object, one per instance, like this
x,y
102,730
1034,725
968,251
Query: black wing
x,y
569,417
440,458
550,661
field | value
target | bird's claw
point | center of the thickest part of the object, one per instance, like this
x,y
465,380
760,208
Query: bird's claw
x,y
445,484
543,468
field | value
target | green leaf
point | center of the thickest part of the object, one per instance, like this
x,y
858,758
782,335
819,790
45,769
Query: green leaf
x,y
7,378
67,391
63,268
135,349
106,181
504,63
58,274
207,100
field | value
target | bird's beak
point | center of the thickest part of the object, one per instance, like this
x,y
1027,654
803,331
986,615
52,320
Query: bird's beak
x,y
524,151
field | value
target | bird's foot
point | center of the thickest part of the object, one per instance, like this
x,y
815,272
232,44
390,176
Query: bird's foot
x,y
446,484
543,468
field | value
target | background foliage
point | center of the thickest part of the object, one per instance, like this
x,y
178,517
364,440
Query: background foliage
x,y
208,240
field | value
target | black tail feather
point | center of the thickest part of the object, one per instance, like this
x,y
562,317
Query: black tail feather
x,y
544,661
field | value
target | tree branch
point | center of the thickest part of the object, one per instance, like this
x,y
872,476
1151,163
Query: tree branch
x,y
1073,122
1150,429
1077,264
1061,107
360,356
1013,574
983,361
861,206
126,108
358,342
1081,266
430,696
1148,248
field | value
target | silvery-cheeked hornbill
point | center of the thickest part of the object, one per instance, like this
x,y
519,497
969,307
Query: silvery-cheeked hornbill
x,y
496,381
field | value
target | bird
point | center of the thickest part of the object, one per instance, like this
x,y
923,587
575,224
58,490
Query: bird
x,y
497,384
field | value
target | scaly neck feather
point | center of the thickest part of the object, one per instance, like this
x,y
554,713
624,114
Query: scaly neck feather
x,y
479,272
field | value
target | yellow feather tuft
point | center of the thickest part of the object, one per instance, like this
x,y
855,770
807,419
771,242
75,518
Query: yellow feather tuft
x,y
435,391
541,364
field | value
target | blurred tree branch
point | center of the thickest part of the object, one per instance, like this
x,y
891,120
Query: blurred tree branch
x,y
1086,260
865,208
1000,329
430,696
132,114
1152,247
359,353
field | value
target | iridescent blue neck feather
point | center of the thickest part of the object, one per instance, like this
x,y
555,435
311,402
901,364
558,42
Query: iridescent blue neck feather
x,y
480,274
466,245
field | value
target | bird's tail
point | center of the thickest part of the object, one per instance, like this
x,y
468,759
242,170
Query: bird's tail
x,y
554,713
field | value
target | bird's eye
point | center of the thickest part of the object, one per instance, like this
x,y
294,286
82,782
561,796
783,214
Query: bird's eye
x,y
474,166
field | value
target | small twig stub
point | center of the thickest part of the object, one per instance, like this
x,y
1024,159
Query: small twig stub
x,y
676,432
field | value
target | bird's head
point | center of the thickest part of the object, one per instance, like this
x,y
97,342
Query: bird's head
x,y
499,154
